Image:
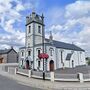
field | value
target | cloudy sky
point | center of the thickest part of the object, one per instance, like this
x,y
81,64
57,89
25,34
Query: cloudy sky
x,y
69,21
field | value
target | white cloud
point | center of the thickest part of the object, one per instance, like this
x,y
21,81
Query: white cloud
x,y
78,9
76,27
9,15
56,27
20,7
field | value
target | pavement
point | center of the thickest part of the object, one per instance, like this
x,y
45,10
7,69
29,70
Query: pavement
x,y
47,85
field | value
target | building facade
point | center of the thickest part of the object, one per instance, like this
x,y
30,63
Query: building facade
x,y
61,55
8,56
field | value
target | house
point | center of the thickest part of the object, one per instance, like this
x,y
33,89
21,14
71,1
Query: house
x,y
61,54
8,56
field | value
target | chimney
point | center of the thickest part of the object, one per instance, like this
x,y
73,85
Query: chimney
x,y
11,47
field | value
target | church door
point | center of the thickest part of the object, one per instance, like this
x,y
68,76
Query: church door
x,y
1,60
27,64
51,65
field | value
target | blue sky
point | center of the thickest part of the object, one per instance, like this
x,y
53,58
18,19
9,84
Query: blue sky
x,y
69,21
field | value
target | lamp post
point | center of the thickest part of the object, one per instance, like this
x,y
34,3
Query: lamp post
x,y
43,45
43,56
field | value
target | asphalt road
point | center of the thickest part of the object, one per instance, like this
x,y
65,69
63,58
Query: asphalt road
x,y
8,84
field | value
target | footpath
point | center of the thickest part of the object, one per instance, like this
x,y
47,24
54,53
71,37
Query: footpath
x,y
47,85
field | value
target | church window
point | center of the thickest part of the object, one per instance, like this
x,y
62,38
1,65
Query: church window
x,y
38,63
29,53
22,53
61,56
38,52
51,52
29,30
39,29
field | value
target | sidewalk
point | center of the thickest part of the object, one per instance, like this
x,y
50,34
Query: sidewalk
x,y
45,84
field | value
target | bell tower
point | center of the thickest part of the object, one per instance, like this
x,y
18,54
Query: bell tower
x,y
34,29
34,33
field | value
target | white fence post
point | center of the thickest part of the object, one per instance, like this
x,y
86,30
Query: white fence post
x,y
29,73
52,76
15,70
81,77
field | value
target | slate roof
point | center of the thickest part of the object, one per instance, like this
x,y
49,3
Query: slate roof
x,y
63,45
5,51
67,46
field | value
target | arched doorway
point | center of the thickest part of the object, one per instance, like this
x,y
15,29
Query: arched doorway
x,y
51,65
27,64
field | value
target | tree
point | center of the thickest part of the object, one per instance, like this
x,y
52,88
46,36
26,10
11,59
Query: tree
x,y
88,60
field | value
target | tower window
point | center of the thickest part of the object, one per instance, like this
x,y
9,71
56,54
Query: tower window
x,y
29,53
39,29
29,30
28,44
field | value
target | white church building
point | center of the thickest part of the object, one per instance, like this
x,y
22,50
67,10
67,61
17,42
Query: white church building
x,y
61,55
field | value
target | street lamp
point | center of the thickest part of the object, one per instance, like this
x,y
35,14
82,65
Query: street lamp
x,y
43,55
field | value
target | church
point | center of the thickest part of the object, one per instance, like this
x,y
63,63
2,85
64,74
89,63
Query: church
x,y
60,54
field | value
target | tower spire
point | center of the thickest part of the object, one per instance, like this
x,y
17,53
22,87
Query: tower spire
x,y
51,37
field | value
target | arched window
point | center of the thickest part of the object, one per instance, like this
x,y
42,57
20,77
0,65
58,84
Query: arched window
x,y
22,53
51,51
39,29
29,30
29,53
38,52
61,53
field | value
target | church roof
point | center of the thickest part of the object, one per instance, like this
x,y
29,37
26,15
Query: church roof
x,y
59,44
64,45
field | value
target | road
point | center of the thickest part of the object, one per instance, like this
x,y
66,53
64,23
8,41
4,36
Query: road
x,y
8,84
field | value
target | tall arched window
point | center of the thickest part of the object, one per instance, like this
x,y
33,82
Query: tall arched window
x,y
51,51
29,30
61,53
39,29
29,53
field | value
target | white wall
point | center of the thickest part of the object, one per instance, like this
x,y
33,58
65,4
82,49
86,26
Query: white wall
x,y
77,56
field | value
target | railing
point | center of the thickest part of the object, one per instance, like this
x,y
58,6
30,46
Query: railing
x,y
55,76
47,75
66,76
86,76
36,74
23,71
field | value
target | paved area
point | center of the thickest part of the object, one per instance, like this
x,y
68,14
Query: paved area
x,y
8,84
47,85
